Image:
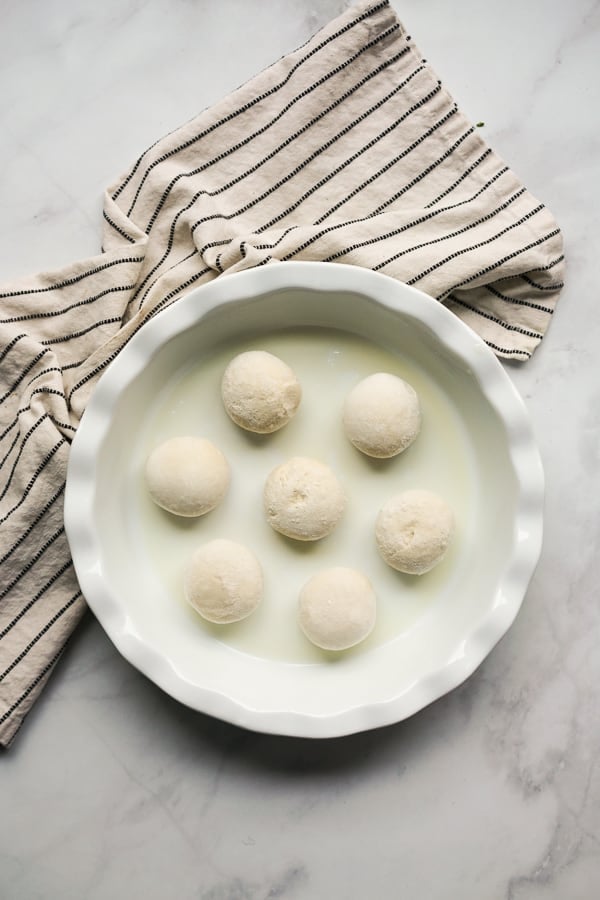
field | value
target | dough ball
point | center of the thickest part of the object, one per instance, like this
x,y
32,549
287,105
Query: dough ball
x,y
223,582
187,476
382,416
413,531
336,608
303,499
260,392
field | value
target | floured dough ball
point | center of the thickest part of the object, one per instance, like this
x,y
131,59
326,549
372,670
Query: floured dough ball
x,y
303,499
413,531
382,416
260,392
223,582
337,608
187,476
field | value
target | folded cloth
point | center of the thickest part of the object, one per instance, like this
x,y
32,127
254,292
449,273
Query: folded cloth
x,y
348,149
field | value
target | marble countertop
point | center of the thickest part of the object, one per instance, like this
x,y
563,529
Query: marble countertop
x,y
112,789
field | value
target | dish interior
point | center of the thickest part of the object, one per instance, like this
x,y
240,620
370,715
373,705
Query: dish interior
x,y
265,662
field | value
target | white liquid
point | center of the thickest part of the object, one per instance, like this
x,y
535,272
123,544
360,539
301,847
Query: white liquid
x,y
328,364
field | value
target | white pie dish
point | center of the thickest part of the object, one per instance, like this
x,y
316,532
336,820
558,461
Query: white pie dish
x,y
478,447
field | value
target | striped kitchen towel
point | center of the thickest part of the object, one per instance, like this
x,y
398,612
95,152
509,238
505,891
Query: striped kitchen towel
x,y
349,149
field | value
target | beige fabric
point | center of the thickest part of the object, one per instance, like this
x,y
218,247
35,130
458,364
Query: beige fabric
x,y
348,149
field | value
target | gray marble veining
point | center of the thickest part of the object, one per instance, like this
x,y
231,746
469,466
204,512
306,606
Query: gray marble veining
x,y
114,790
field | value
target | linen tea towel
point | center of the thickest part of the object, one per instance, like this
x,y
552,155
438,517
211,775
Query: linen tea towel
x,y
349,150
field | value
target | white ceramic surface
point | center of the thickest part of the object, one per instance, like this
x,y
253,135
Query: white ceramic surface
x,y
476,449
112,788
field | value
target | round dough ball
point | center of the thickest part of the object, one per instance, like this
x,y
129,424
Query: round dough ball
x,y
303,499
260,392
223,582
337,608
187,476
382,416
413,531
